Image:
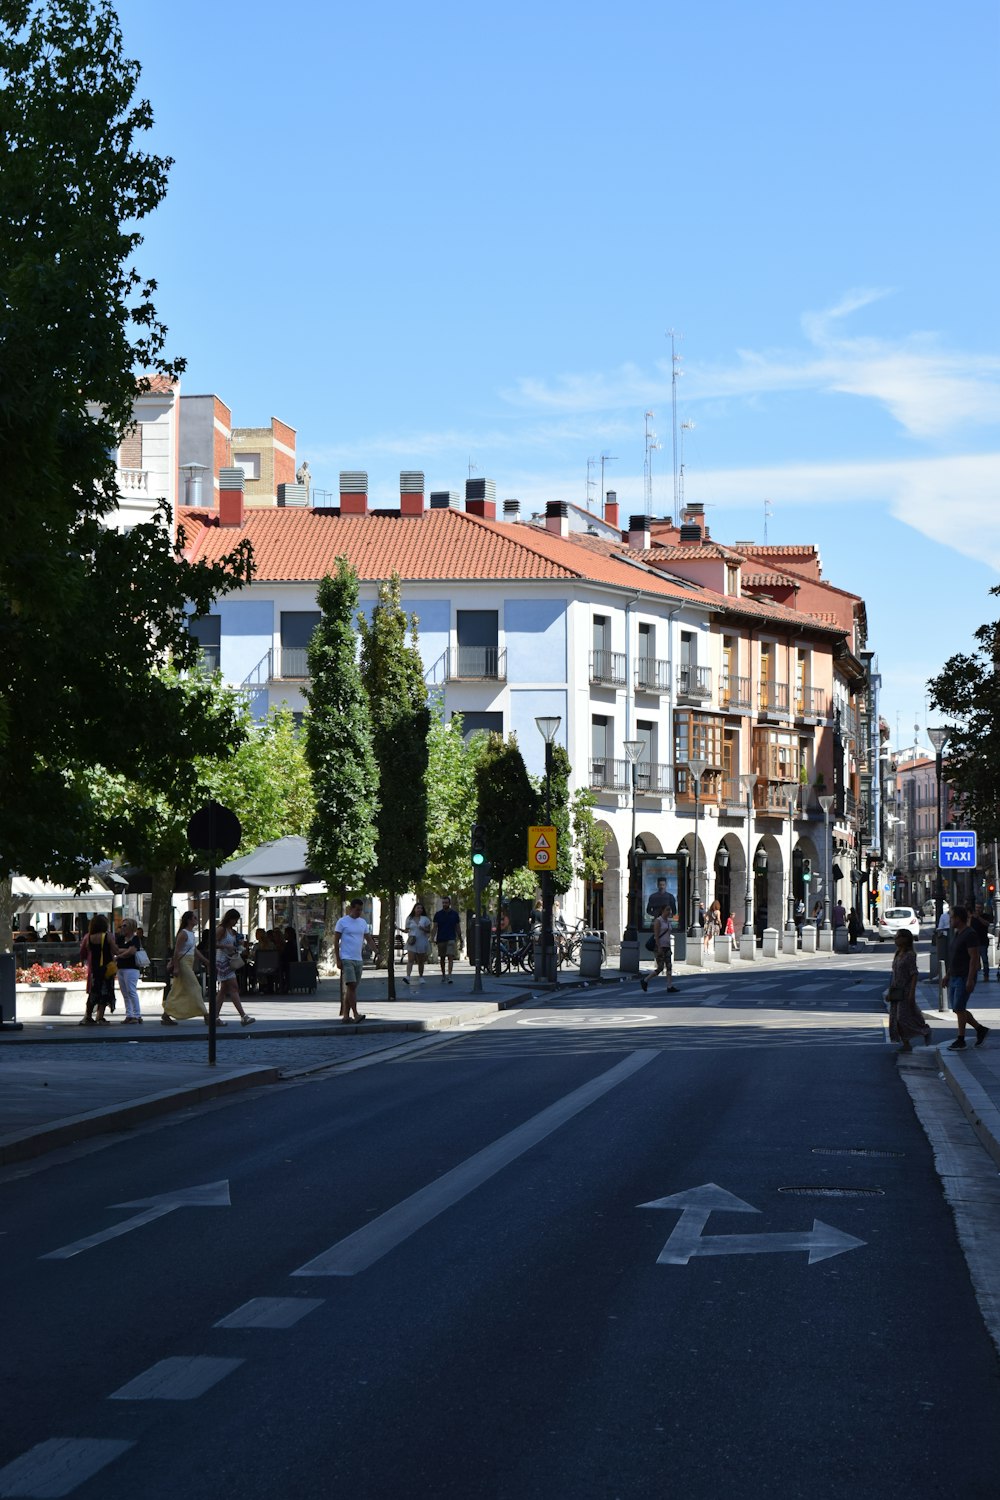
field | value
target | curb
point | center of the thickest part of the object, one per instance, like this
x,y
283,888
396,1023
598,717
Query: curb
x,y
22,1147
979,1109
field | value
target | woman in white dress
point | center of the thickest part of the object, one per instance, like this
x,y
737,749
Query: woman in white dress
x,y
184,1002
418,942
227,946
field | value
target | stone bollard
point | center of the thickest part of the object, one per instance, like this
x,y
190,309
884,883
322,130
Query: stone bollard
x,y
840,940
628,957
789,941
826,940
769,947
723,950
748,947
809,938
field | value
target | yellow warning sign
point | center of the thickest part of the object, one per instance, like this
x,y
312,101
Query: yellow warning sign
x,y
541,847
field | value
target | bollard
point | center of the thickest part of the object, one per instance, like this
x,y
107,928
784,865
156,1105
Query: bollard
x,y
809,936
748,947
590,956
826,940
723,950
789,941
769,943
841,940
628,956
8,993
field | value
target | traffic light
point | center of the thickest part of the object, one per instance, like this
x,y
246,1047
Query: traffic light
x,y
807,869
478,845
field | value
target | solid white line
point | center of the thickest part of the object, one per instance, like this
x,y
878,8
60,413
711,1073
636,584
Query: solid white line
x,y
56,1467
270,1312
363,1248
182,1378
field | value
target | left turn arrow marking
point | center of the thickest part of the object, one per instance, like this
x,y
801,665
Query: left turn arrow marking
x,y
207,1195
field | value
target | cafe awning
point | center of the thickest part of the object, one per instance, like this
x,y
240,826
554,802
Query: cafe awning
x,y
283,862
39,895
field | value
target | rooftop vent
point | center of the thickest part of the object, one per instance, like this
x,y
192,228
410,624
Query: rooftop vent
x,y
557,517
444,499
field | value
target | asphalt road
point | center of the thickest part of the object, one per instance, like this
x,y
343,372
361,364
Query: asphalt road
x,y
460,1254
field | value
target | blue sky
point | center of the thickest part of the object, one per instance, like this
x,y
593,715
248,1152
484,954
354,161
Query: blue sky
x,y
433,235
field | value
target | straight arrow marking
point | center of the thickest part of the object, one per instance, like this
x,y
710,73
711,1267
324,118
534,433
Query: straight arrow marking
x,y
207,1195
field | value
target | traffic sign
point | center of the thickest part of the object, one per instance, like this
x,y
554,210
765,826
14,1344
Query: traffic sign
x,y
541,847
956,851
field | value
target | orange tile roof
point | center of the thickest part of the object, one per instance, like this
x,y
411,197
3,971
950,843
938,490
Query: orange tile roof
x,y
159,385
679,550
292,545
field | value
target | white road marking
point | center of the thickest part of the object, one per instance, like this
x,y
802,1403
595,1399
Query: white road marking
x,y
270,1312
183,1378
629,1018
207,1195
363,1248
687,1240
56,1467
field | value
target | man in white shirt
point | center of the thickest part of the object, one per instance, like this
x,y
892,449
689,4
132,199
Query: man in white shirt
x,y
351,937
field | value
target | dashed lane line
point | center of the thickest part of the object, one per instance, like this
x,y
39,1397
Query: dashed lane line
x,y
57,1466
181,1378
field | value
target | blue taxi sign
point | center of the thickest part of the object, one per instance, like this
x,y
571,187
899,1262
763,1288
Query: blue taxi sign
x,y
956,851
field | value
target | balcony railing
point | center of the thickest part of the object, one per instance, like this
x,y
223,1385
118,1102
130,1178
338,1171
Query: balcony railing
x,y
734,692
652,675
610,775
294,663
608,667
477,662
773,699
694,682
811,703
652,778
211,658
132,481
731,794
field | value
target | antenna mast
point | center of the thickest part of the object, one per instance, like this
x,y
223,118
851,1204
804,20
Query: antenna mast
x,y
767,515
606,458
647,472
685,427
675,374
591,464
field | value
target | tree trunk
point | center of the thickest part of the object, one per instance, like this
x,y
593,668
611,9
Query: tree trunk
x,y
497,969
325,960
159,938
6,913
389,906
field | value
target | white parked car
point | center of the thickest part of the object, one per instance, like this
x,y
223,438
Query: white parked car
x,y
896,919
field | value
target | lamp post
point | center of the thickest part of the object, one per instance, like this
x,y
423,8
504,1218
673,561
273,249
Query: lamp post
x,y
938,738
696,770
548,728
633,750
747,783
791,797
826,802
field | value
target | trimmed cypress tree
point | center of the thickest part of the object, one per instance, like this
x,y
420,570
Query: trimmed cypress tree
x,y
338,735
508,804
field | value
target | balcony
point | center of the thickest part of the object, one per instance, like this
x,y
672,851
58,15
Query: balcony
x,y
772,701
293,664
709,790
731,795
477,664
734,693
771,797
607,775
211,658
811,703
694,682
652,675
608,668
132,481
652,778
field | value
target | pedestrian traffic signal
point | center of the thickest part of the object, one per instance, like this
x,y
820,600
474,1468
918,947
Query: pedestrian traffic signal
x,y
807,869
478,845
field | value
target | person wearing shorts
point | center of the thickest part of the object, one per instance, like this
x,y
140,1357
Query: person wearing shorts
x,y
351,937
963,971
446,924
663,951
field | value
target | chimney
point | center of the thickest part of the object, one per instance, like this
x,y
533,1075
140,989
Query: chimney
x,y
293,495
481,498
693,528
611,508
231,497
638,533
557,517
512,510
411,492
690,534
444,499
353,492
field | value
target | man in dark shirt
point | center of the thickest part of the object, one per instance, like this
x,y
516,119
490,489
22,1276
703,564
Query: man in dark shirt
x,y
980,927
963,970
446,925
661,902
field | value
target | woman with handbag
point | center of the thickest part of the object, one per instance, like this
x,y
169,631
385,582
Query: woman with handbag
x,y
905,1018
418,942
183,1001
129,945
228,962
99,952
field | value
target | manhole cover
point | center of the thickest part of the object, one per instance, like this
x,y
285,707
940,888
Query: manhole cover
x,y
853,1151
825,1192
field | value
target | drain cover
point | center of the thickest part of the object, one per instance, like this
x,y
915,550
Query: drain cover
x,y
825,1192
853,1151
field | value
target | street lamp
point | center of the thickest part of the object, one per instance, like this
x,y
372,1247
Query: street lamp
x,y
633,750
548,728
747,783
826,802
791,797
696,770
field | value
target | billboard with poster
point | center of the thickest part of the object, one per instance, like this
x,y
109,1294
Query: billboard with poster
x,y
662,887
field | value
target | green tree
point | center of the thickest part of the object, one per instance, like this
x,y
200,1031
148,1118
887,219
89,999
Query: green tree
x,y
451,781
562,875
393,676
267,781
85,611
967,691
338,743
507,805
590,842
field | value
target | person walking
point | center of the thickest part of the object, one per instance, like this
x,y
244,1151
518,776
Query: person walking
x,y
228,962
961,975
418,941
905,1017
183,1001
446,925
980,927
129,942
713,926
351,937
662,952
99,952
839,915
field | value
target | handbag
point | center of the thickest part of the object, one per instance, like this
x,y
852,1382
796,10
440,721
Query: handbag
x,y
236,962
651,944
896,994
142,958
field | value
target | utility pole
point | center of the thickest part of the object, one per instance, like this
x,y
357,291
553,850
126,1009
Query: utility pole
x,y
606,458
675,373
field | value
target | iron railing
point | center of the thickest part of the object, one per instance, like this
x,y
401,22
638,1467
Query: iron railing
x,y
734,691
811,703
773,699
610,775
608,667
694,682
480,662
652,675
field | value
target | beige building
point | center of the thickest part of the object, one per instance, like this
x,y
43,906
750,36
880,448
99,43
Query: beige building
x,y
267,457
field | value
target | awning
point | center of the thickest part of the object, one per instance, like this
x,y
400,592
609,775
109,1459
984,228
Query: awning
x,y
39,895
838,873
283,862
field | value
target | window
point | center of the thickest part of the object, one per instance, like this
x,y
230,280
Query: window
x,y
647,642
207,631
473,722
478,634
778,756
297,627
732,578
696,737
602,632
249,463
646,769
601,764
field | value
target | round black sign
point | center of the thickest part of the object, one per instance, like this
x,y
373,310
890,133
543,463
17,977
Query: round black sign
x,y
216,829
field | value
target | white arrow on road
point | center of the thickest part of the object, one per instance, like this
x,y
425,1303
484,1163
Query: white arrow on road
x,y
208,1195
822,1241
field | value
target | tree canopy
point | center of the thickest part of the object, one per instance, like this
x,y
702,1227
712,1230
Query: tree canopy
x,y
967,691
